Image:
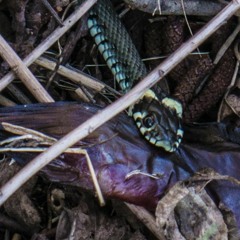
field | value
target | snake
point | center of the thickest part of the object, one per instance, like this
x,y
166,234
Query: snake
x,y
157,116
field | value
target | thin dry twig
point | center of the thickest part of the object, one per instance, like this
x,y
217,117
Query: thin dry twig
x,y
128,99
23,72
52,11
49,41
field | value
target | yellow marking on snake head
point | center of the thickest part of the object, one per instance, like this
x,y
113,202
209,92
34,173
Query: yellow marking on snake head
x,y
174,104
147,137
153,141
150,94
165,145
139,124
137,115
180,132
143,130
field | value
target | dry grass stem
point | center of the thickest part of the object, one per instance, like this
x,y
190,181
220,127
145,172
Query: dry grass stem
x,y
50,40
81,95
76,77
128,99
95,181
18,130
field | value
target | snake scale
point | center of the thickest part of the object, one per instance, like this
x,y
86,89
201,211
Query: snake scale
x,y
157,117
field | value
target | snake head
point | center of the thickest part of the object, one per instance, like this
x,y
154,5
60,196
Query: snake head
x,y
159,121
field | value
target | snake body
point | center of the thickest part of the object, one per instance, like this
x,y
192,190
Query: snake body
x,y
157,117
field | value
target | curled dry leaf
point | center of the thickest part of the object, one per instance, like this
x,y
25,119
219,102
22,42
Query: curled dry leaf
x,y
189,213
231,104
234,102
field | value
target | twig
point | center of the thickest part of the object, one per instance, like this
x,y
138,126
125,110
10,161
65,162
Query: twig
x,y
128,99
52,11
23,72
49,41
72,75
146,218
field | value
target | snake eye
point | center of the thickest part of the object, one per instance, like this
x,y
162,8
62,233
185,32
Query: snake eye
x,y
149,121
